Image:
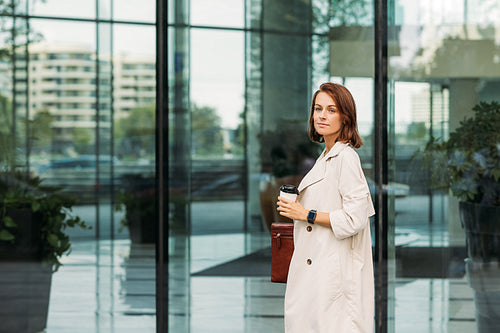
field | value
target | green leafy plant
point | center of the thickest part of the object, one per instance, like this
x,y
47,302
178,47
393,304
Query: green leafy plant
x,y
51,212
41,236
468,163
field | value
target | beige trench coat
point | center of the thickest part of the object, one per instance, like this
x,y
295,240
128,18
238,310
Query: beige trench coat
x,y
330,285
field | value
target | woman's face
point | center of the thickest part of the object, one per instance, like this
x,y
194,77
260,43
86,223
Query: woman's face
x,y
327,119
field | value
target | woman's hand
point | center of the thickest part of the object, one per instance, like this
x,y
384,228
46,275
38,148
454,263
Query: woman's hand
x,y
292,209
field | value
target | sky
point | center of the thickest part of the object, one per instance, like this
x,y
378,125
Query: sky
x,y
136,10
130,39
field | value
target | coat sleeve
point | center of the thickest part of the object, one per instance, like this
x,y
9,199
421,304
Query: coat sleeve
x,y
357,205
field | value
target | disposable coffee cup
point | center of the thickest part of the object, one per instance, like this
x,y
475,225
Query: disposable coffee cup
x,y
289,192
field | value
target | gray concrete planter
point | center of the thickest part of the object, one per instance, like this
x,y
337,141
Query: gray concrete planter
x,y
482,227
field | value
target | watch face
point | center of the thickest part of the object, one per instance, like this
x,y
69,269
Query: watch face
x,y
311,216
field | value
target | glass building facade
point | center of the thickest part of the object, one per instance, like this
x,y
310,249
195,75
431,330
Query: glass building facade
x,y
171,125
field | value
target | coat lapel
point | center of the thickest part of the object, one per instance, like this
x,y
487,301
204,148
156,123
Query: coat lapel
x,y
318,171
316,174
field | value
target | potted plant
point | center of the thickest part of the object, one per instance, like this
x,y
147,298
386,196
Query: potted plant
x,y
138,199
33,223
468,164
48,215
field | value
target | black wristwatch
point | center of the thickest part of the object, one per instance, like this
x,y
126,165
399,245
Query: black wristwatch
x,y
311,216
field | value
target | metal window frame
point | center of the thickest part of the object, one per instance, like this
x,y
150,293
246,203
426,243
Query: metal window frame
x,y
381,166
162,152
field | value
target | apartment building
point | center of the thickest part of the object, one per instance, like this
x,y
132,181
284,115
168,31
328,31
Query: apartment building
x,y
63,80
134,82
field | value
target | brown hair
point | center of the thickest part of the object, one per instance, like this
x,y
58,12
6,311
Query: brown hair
x,y
346,106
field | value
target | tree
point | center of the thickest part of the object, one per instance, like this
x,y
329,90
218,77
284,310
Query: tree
x,y
207,137
351,12
42,131
16,36
135,133
238,147
5,114
82,140
6,137
417,130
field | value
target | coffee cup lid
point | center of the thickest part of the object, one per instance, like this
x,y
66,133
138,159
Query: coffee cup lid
x,y
289,189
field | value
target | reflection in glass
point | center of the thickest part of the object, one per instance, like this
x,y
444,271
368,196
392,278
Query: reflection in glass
x,y
445,65
36,220
134,95
62,8
104,10
217,137
320,60
103,145
220,13
134,10
134,128
217,93
62,90
56,123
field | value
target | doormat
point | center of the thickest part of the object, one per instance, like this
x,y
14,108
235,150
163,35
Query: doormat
x,y
412,262
254,264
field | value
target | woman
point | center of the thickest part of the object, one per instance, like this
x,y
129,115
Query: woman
x,y
330,281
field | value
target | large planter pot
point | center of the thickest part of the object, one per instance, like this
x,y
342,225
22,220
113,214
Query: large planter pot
x,y
139,201
24,281
482,228
24,296
484,279
141,227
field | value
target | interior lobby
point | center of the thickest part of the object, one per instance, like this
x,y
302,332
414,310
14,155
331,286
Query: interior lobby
x,y
163,129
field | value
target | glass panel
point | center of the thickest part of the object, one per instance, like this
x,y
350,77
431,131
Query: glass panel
x,y
134,10
134,94
62,77
18,7
58,167
171,12
104,11
216,133
36,223
321,60
288,17
253,117
217,160
20,103
62,8
134,128
220,13
62,104
104,150
434,92
217,93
